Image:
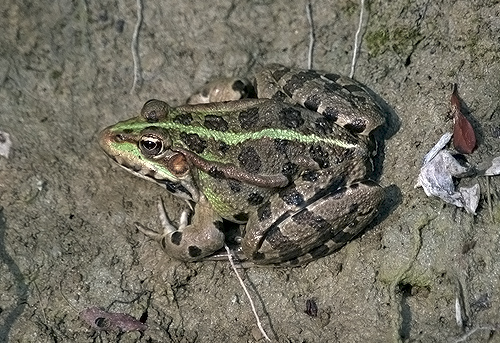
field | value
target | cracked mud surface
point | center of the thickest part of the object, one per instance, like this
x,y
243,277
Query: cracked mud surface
x,y
67,239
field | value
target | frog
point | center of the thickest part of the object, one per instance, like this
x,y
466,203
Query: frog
x,y
291,167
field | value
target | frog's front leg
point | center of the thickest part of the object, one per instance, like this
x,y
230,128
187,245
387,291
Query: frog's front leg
x,y
191,242
311,231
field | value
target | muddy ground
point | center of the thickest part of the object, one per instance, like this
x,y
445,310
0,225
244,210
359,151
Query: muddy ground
x,y
67,239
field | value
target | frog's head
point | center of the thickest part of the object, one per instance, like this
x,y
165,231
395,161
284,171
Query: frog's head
x,y
144,149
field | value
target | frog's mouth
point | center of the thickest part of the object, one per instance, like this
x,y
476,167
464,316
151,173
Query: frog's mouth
x,y
175,187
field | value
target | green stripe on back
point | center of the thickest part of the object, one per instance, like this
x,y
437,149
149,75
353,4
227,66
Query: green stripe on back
x,y
232,138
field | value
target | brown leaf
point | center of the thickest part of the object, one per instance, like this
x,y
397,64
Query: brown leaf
x,y
464,138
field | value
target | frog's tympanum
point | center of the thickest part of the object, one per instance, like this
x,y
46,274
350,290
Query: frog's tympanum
x,y
292,166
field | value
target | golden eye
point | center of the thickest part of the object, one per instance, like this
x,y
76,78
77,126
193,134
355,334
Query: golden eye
x,y
151,145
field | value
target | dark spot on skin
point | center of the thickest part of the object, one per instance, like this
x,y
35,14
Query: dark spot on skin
x,y
281,145
331,114
242,88
205,92
307,218
320,251
249,118
238,85
356,126
310,176
319,156
354,222
216,173
278,74
194,251
337,183
264,212
298,80
255,199
176,238
339,193
194,142
312,102
291,196
289,170
343,237
216,123
257,256
353,208
294,262
331,76
283,243
291,118
183,118
330,87
174,187
128,131
249,160
280,96
354,88
323,126
242,217
234,185
223,147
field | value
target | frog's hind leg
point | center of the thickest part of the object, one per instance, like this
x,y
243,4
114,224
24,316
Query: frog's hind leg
x,y
317,229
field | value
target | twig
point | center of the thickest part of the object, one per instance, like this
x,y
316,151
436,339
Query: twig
x,y
135,48
311,35
356,39
230,258
458,313
488,196
468,334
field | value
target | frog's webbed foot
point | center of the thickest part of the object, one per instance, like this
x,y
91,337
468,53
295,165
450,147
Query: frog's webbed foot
x,y
187,242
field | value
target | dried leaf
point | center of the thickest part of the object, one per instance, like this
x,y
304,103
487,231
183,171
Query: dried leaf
x,y
464,138
109,321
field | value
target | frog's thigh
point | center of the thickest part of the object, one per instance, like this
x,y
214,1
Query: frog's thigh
x,y
318,229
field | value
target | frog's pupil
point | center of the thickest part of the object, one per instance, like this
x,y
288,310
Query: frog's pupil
x,y
151,146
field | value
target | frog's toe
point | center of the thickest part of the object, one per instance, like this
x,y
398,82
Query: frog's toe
x,y
148,232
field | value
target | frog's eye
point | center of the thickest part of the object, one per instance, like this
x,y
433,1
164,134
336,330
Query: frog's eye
x,y
151,145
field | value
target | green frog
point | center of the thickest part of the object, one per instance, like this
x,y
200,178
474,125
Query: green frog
x,y
290,166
